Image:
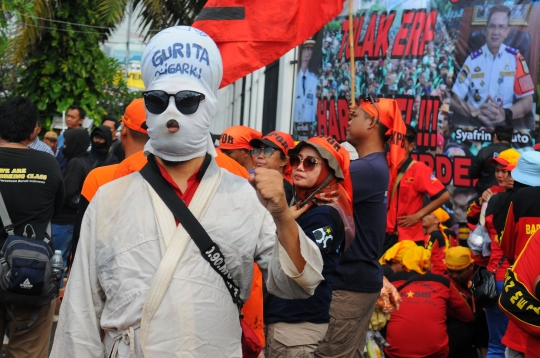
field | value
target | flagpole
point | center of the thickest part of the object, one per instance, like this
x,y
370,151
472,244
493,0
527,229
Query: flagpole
x,y
351,50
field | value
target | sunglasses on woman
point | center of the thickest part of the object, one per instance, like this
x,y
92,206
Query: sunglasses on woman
x,y
267,151
308,162
187,102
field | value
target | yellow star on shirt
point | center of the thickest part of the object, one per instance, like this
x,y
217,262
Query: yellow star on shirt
x,y
328,230
410,294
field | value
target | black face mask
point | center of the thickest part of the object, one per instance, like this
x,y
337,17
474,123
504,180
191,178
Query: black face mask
x,y
99,145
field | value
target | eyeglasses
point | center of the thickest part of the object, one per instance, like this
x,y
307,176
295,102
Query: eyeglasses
x,y
187,102
308,162
368,98
267,151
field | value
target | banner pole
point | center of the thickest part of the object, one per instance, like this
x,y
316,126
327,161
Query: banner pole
x,y
351,52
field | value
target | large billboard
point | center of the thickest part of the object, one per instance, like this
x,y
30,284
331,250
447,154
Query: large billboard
x,y
456,68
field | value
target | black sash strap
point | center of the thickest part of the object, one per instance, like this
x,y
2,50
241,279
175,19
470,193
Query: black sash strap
x,y
409,280
519,302
209,250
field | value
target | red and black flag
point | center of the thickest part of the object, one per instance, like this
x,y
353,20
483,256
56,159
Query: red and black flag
x,y
251,34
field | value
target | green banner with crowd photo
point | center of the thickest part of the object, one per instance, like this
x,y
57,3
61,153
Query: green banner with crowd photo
x,y
456,68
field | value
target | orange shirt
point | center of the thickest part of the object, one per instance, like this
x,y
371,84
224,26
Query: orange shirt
x,y
408,199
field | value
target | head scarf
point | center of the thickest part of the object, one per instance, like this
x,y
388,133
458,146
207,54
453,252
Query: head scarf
x,y
443,217
417,259
182,58
337,192
390,115
458,258
395,253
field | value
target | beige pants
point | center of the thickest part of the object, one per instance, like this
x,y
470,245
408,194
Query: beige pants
x,y
293,340
30,343
350,313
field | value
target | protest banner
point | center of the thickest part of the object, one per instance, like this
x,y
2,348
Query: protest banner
x,y
454,74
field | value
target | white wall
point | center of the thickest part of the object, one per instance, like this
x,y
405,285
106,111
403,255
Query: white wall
x,y
230,103
287,78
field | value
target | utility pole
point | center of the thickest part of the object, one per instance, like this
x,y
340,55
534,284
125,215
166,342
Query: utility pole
x,y
130,11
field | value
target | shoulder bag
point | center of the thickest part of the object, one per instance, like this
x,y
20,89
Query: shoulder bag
x,y
26,275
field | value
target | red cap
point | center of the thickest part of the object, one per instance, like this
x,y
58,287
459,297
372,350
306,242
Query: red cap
x,y
135,116
507,158
238,137
537,147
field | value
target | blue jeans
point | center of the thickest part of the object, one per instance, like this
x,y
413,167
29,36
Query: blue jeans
x,y
62,237
497,324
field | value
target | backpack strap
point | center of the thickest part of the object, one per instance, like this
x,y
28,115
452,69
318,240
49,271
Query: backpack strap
x,y
6,220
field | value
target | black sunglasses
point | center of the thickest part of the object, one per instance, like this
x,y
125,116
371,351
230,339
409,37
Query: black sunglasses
x,y
368,98
267,151
187,102
308,162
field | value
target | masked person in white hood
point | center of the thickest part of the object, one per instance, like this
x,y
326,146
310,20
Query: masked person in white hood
x,y
138,275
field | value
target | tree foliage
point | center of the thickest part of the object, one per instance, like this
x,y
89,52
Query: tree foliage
x,y
52,55
64,65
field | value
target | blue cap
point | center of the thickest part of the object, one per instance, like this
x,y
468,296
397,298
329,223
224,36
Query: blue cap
x,y
527,170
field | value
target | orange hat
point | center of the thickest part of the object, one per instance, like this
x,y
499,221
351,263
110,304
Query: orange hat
x,y
389,114
442,215
275,139
336,156
238,137
458,257
417,259
279,140
135,116
395,253
507,158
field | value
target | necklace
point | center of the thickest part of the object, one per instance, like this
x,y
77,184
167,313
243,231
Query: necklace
x,y
6,143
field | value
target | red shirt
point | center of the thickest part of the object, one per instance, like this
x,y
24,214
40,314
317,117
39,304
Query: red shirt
x,y
522,221
418,328
192,184
408,199
524,322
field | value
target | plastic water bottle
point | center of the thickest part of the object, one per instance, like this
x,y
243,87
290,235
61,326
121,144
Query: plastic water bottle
x,y
57,264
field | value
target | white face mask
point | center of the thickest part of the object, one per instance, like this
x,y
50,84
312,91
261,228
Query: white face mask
x,y
182,58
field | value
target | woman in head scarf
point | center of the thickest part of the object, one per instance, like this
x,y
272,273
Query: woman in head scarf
x,y
323,209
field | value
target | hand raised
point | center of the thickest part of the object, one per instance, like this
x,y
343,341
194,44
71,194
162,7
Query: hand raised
x,y
270,190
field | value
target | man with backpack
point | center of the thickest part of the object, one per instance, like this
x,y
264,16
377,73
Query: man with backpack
x,y
33,191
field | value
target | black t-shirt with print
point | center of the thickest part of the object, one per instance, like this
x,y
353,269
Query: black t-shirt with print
x,y
32,187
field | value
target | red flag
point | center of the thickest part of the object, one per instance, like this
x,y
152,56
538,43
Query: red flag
x,y
251,34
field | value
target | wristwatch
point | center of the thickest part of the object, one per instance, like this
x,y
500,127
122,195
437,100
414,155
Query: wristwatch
x,y
508,115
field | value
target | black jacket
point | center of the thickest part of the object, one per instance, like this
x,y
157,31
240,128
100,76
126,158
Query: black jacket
x,y
100,154
484,171
77,168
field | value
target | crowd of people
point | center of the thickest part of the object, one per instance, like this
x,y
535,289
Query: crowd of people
x,y
305,248
431,75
